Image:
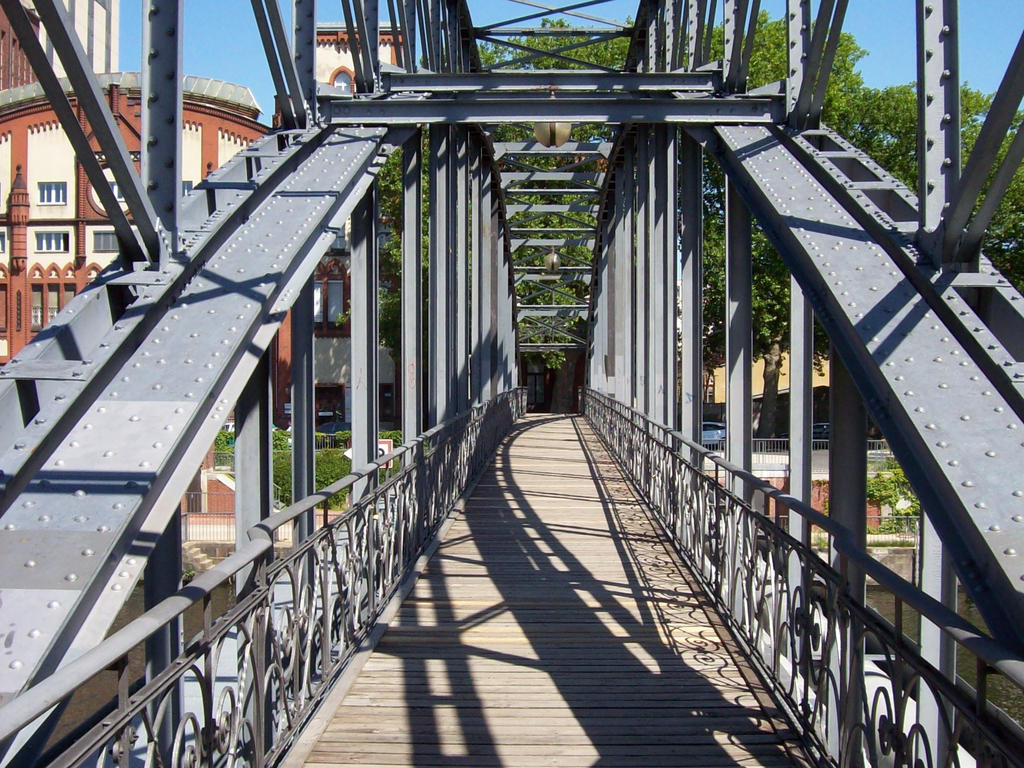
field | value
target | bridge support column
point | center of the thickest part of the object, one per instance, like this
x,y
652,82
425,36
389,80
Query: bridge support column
x,y
738,333
364,337
303,406
801,356
441,277
461,307
483,274
640,285
623,277
412,287
254,474
691,287
847,467
497,306
663,290
655,275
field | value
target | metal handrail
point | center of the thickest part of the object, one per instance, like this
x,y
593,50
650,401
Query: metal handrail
x,y
36,701
844,541
799,618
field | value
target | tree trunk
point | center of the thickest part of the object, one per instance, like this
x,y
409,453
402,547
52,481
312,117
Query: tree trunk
x,y
770,399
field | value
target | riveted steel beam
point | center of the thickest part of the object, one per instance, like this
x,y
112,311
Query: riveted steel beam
x,y
616,109
559,80
943,418
98,498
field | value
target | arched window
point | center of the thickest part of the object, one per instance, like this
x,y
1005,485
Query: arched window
x,y
342,78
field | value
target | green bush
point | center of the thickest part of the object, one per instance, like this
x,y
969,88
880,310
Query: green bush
x,y
330,465
891,489
224,442
281,440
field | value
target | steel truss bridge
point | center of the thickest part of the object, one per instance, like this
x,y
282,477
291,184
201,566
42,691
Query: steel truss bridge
x,y
592,245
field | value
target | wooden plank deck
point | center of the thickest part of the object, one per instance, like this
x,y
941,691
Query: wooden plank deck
x,y
554,628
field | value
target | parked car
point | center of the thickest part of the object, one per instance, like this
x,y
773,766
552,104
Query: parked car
x,y
712,432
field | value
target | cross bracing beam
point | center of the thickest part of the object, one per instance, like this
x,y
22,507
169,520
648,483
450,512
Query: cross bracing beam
x,y
592,109
537,242
886,209
107,482
705,82
570,148
944,419
553,310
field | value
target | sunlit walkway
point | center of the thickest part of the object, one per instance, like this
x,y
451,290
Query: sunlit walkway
x,y
553,628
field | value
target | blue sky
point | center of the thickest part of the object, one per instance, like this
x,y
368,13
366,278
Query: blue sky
x,y
221,39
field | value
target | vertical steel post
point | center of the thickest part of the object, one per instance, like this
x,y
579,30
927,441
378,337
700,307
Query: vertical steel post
x,y
738,333
412,287
304,51
483,274
801,394
624,281
798,37
668,207
608,361
801,391
161,113
938,109
691,287
461,306
364,337
507,319
642,346
303,405
440,298
253,471
161,177
497,261
655,275
847,471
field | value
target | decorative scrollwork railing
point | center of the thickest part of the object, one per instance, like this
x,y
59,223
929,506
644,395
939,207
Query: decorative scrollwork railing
x,y
249,679
857,688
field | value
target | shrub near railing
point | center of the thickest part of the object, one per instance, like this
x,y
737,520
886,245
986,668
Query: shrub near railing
x,y
852,682
255,674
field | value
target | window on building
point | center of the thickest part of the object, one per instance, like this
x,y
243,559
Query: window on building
x,y
53,192
335,300
3,309
318,302
118,195
37,307
52,302
343,80
52,242
186,187
69,292
104,241
3,241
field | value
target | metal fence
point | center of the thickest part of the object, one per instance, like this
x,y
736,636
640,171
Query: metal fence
x,y
250,678
854,683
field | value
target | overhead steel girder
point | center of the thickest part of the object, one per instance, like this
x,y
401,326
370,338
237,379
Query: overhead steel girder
x,y
93,510
537,242
528,346
562,80
589,109
570,148
945,421
553,310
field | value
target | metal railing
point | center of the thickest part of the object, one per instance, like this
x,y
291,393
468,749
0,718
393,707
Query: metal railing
x,y
855,686
250,678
